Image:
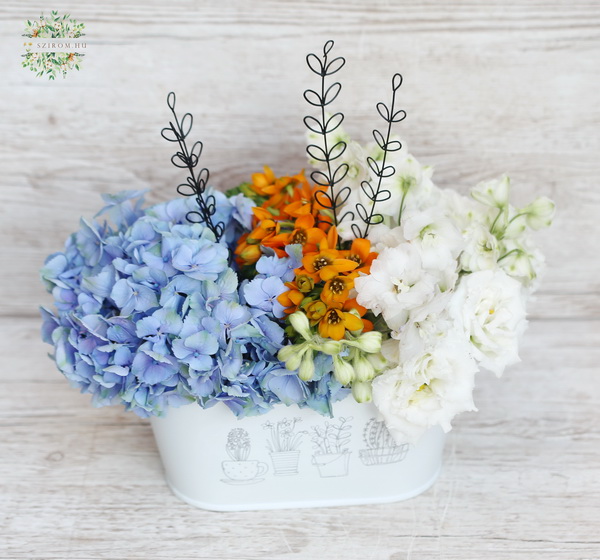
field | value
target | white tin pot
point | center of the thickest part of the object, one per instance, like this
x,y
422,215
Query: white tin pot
x,y
214,461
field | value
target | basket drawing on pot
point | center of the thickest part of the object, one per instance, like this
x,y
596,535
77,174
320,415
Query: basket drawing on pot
x,y
362,290
382,449
331,443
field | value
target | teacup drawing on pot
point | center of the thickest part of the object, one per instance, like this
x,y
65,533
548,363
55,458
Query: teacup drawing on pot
x,y
243,472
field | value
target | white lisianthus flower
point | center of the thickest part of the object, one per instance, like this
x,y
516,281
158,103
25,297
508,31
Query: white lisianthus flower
x,y
436,237
407,178
354,156
427,390
488,307
396,284
464,211
411,187
390,350
481,250
493,193
382,236
428,330
523,261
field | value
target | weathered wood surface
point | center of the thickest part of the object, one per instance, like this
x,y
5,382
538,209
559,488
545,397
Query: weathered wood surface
x,y
521,478
489,88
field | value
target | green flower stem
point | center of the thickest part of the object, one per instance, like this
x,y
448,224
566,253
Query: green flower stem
x,y
500,212
510,253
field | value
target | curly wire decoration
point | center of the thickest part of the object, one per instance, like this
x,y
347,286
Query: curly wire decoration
x,y
188,159
329,199
383,171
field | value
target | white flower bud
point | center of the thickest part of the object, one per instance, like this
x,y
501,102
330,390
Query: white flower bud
x,y
307,367
292,355
299,321
331,347
540,212
363,370
377,361
369,342
342,370
361,391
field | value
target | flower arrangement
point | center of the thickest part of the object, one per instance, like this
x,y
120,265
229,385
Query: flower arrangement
x,y
362,278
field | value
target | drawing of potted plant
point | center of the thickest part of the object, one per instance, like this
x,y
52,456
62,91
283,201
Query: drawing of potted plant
x,y
381,446
241,470
332,456
283,446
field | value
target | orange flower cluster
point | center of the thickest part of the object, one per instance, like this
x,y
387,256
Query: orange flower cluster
x,y
290,214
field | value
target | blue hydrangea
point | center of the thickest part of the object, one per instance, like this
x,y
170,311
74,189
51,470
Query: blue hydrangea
x,y
150,314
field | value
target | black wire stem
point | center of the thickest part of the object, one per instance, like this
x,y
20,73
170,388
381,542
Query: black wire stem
x,y
329,198
383,171
185,158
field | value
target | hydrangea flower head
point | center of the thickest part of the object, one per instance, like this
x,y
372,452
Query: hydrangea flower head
x,y
150,313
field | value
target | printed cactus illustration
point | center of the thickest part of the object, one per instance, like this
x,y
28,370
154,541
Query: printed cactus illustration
x,y
381,447
238,444
377,435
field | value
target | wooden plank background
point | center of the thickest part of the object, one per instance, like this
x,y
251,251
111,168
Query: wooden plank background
x,y
489,87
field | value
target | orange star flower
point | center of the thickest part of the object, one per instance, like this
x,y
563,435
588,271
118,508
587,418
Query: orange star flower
x,y
280,191
335,322
264,229
303,199
265,183
291,299
247,253
352,304
315,311
327,262
360,252
304,233
336,289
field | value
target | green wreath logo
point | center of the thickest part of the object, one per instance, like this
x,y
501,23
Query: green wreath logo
x,y
51,64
